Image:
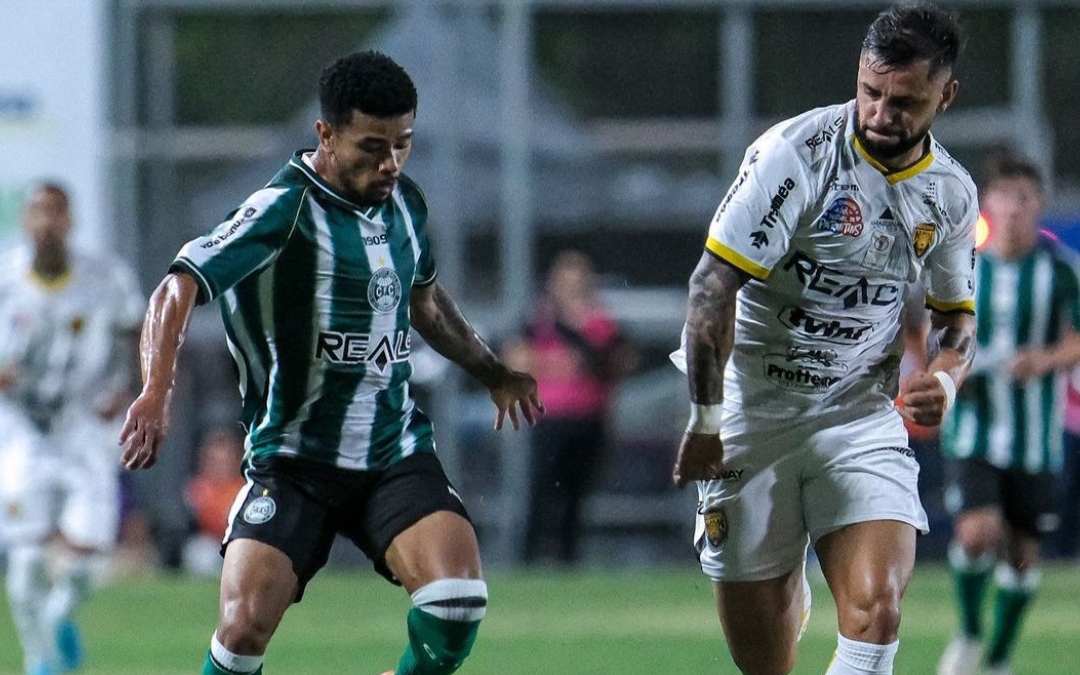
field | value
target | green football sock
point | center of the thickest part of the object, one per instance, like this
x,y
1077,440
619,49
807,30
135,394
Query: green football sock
x,y
971,578
436,646
1009,607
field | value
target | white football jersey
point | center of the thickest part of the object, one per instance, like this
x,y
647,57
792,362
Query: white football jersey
x,y
831,239
60,334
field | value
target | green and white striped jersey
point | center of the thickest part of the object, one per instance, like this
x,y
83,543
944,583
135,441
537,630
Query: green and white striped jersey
x,y
1019,304
315,294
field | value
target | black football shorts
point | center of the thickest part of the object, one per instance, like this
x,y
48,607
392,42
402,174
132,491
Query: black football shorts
x,y
1026,499
298,507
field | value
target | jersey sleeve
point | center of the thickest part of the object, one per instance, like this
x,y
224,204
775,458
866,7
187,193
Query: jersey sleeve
x,y
417,208
248,241
950,268
753,224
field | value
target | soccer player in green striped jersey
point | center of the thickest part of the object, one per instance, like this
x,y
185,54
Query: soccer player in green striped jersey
x,y
1004,437
320,275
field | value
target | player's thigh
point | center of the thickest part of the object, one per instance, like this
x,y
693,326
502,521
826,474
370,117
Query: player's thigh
x,y
1030,513
90,506
283,506
860,471
415,527
749,524
28,489
761,620
974,499
258,584
868,566
441,545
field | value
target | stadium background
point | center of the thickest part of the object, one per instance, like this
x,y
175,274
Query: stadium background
x,y
612,126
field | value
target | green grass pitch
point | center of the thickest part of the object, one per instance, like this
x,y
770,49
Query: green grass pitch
x,y
595,622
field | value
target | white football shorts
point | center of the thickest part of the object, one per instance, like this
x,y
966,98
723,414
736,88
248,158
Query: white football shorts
x,y
782,485
66,481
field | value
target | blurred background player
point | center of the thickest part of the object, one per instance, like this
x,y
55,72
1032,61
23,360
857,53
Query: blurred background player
x,y
575,349
68,327
793,357
1004,437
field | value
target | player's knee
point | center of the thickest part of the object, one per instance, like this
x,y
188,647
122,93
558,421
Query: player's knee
x,y
873,616
243,629
756,661
443,623
25,575
978,534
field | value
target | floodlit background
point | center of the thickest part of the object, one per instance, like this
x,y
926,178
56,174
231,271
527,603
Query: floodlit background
x,y
609,126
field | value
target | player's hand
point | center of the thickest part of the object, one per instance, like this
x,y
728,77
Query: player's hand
x,y
1031,363
144,429
922,399
701,457
516,392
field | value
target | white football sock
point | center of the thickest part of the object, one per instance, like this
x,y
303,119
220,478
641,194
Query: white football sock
x,y
27,589
234,663
73,584
862,658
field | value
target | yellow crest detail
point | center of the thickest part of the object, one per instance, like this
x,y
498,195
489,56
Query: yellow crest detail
x,y
716,527
923,239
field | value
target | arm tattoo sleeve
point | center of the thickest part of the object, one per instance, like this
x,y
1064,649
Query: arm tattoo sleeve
x,y
710,327
959,337
449,333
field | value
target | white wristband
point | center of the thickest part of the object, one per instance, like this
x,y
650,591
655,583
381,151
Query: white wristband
x,y
704,419
948,385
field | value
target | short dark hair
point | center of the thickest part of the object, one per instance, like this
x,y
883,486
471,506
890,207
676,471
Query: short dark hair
x,y
1007,164
903,34
368,81
54,188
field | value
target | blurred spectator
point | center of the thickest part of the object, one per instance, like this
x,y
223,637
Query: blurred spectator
x,y
210,494
576,352
68,328
1004,436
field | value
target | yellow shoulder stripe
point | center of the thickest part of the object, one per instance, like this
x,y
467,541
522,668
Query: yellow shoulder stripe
x,y
737,259
967,306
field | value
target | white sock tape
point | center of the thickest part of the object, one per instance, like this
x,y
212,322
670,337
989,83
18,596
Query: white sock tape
x,y
704,419
948,385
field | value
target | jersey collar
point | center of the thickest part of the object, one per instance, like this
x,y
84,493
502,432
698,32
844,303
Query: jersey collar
x,y
51,285
896,176
299,160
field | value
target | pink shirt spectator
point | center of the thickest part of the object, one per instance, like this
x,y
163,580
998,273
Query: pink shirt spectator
x,y
571,385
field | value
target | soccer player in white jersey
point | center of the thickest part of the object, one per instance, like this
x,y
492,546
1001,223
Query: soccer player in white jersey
x,y
68,338
321,274
792,346
1004,439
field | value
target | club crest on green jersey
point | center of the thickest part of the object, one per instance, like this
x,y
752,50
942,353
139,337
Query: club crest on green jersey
x,y
384,290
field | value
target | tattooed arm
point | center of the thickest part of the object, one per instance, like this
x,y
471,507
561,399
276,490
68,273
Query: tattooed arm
x,y
710,333
710,327
950,350
438,319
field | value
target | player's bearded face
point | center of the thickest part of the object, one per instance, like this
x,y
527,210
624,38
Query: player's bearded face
x,y
896,106
366,156
48,222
